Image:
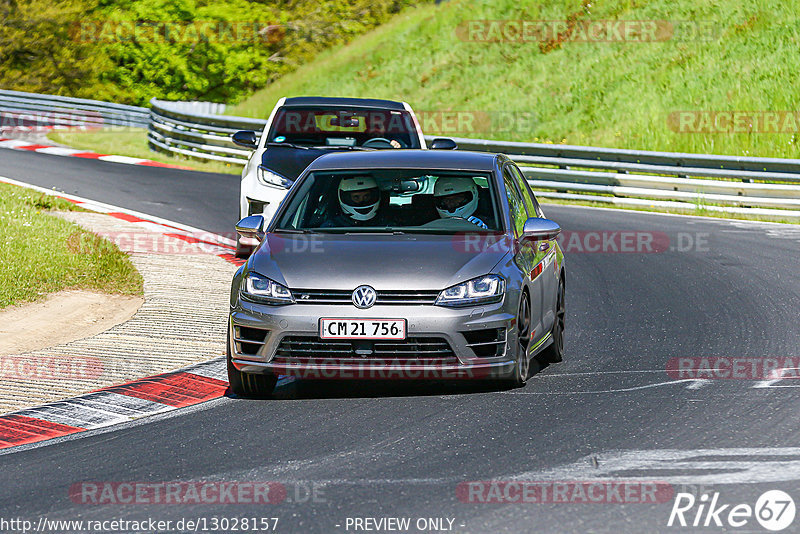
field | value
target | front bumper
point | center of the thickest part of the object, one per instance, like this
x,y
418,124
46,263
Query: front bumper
x,y
381,371
448,324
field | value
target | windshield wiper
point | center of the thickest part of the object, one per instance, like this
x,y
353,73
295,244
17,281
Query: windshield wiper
x,y
376,230
292,145
348,147
293,231
285,145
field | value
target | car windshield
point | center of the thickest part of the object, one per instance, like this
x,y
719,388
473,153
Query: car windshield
x,y
337,127
393,200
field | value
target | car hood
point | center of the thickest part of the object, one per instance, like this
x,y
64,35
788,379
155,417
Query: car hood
x,y
385,262
290,162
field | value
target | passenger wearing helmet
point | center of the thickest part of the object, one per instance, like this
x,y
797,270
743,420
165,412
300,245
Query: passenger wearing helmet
x,y
457,197
359,200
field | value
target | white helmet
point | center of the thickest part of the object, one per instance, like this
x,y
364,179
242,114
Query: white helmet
x,y
359,197
455,197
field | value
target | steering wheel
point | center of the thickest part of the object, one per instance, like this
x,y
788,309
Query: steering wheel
x,y
377,142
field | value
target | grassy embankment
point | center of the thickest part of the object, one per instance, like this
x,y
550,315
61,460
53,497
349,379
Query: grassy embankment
x,y
719,56
41,254
612,94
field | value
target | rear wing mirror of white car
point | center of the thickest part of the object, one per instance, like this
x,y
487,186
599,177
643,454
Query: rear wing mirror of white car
x,y
245,138
443,143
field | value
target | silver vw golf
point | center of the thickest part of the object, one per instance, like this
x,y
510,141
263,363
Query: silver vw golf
x,y
399,265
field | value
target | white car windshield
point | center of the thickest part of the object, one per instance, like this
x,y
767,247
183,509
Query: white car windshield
x,y
358,127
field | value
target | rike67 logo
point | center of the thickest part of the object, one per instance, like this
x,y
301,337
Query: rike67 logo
x,y
774,510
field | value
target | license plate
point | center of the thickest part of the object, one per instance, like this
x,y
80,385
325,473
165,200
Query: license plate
x,y
362,328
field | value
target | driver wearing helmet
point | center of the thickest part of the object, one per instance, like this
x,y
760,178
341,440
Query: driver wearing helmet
x,y
359,200
457,197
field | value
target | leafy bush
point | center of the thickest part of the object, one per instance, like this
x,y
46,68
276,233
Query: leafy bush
x,y
132,50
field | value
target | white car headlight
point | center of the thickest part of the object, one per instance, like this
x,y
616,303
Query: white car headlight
x,y
267,177
482,290
261,289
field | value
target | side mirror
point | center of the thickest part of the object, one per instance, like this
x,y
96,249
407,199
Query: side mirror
x,y
252,227
443,143
245,138
536,229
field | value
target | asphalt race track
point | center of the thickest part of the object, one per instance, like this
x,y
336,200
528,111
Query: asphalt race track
x,y
203,200
611,411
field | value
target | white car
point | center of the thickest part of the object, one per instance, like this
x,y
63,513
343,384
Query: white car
x,y
301,129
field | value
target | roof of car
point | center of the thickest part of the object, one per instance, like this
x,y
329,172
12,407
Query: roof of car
x,y
406,158
307,101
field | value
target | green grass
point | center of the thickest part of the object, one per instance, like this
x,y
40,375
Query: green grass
x,y
599,94
41,254
132,142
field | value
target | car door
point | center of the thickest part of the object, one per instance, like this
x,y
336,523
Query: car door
x,y
545,253
525,256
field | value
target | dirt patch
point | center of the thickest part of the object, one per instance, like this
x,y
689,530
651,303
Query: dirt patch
x,y
62,317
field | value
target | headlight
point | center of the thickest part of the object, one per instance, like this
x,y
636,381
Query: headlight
x,y
267,177
261,289
482,290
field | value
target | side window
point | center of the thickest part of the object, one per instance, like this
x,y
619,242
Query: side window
x,y
515,203
527,195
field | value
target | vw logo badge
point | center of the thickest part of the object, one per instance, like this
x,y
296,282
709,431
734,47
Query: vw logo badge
x,y
364,297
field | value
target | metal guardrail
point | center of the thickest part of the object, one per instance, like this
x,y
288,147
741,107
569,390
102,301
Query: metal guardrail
x,y
761,186
758,186
20,109
174,129
622,156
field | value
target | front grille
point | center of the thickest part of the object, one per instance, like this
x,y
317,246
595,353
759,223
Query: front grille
x,y
336,296
486,343
249,340
416,350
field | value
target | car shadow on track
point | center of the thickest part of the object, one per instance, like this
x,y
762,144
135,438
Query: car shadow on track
x,y
290,388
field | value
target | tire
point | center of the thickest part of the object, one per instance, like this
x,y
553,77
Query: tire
x,y
554,353
249,384
522,367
